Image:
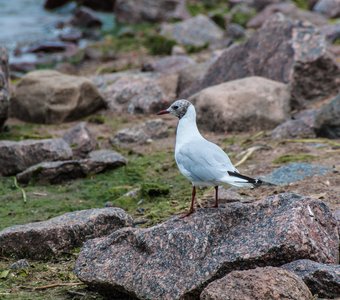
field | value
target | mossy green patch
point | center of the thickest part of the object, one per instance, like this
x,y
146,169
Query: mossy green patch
x,y
158,189
303,4
20,132
294,158
159,45
42,281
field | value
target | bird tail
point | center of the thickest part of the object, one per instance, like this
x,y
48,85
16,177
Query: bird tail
x,y
240,180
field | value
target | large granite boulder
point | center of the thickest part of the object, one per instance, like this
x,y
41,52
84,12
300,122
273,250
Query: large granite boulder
x,y
51,97
327,123
238,105
260,283
322,279
59,235
18,156
55,172
178,258
136,11
197,31
4,87
282,50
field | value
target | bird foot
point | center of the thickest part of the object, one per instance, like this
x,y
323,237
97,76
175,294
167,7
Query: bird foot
x,y
187,214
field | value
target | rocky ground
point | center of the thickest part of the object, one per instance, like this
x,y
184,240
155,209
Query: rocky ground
x,y
90,194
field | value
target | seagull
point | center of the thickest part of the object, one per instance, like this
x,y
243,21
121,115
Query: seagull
x,y
199,160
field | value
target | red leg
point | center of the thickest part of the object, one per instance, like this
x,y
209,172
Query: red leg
x,y
192,209
216,196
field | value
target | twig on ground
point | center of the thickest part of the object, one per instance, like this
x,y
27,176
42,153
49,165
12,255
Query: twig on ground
x,y
50,286
21,189
247,153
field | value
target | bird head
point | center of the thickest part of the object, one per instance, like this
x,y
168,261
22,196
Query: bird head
x,y
178,108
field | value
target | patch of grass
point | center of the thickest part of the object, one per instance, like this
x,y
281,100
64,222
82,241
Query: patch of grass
x,y
294,158
303,4
159,45
241,16
159,188
21,284
23,131
194,49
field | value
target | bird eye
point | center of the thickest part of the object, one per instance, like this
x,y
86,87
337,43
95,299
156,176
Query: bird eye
x,y
175,107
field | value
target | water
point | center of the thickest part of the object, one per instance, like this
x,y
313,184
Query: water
x,y
26,21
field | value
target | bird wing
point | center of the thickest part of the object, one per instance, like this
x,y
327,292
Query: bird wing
x,y
203,161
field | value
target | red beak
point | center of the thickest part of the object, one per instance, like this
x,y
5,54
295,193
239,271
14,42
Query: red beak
x,y
163,112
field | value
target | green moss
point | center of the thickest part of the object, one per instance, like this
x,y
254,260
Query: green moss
x,y
303,4
159,45
294,158
242,17
195,49
24,131
44,202
152,189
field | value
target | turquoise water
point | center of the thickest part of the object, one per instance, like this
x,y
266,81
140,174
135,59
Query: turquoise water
x,y
23,21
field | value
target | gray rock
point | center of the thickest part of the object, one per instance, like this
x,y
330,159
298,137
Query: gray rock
x,y
60,171
282,50
85,18
295,172
59,235
330,8
136,11
18,156
197,31
322,279
260,283
20,265
289,10
80,139
293,129
252,102
142,133
178,258
137,92
327,123
190,74
4,87
331,32
51,97
169,64
235,31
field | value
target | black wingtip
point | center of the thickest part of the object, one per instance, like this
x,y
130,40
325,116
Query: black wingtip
x,y
253,181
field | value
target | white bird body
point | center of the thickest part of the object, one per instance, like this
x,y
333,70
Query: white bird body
x,y
202,162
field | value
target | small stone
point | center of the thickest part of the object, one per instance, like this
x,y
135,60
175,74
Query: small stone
x,y
260,283
136,11
59,235
168,64
50,97
329,8
294,172
327,123
140,134
252,102
18,156
4,87
197,31
293,129
235,31
80,139
86,18
322,279
20,265
61,171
